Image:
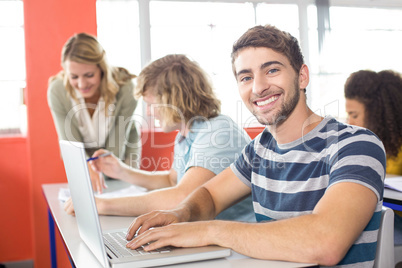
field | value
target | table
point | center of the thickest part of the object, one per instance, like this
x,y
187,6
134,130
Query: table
x,y
81,256
392,198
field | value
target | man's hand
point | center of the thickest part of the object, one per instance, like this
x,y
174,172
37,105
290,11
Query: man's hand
x,y
150,220
186,234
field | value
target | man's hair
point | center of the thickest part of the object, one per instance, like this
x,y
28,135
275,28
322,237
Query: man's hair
x,y
381,95
184,89
85,48
269,36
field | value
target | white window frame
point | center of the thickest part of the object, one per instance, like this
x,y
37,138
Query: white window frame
x,y
17,115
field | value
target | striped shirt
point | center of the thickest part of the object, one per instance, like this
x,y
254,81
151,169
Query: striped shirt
x,y
288,180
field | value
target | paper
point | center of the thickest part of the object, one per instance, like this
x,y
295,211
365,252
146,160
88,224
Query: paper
x,y
128,191
64,193
393,183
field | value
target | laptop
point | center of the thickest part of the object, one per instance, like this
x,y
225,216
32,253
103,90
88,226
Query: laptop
x,y
109,247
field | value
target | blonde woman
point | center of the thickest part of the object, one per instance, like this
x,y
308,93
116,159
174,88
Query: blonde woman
x,y
179,94
92,102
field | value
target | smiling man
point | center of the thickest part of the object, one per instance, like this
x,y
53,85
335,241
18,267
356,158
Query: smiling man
x,y
317,184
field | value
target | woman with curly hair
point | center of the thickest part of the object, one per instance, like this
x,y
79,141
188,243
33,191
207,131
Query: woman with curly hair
x,y
374,101
92,102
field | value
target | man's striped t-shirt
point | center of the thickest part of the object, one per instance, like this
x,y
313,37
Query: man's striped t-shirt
x,y
288,180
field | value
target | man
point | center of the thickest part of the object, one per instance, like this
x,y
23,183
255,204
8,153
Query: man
x,y
317,184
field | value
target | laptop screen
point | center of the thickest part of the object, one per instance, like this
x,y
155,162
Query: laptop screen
x,y
79,182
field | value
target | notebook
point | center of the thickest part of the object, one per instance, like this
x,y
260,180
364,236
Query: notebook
x,y
393,182
90,230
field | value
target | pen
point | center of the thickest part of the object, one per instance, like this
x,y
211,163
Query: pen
x,y
96,157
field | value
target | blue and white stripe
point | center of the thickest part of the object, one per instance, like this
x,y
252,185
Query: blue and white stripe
x,y
288,180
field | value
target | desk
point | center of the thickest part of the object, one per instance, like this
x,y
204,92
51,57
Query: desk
x,y
392,198
81,256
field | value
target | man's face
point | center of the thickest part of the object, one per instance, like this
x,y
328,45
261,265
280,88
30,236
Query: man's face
x,y
267,83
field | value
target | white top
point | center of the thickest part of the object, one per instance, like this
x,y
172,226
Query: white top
x,y
95,129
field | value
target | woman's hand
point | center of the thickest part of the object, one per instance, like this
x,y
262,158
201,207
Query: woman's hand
x,y
97,179
68,207
109,165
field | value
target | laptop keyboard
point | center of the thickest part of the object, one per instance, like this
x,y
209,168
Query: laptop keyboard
x,y
116,242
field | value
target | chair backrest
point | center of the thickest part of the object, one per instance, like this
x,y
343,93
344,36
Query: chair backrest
x,y
385,243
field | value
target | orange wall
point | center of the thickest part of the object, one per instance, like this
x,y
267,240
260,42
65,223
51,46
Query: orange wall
x,y
15,201
254,131
157,148
48,24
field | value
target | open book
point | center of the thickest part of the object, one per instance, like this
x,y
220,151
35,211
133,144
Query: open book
x,y
393,182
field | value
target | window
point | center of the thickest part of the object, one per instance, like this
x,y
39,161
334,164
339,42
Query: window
x,y
207,37
283,16
118,33
360,38
362,35
12,67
